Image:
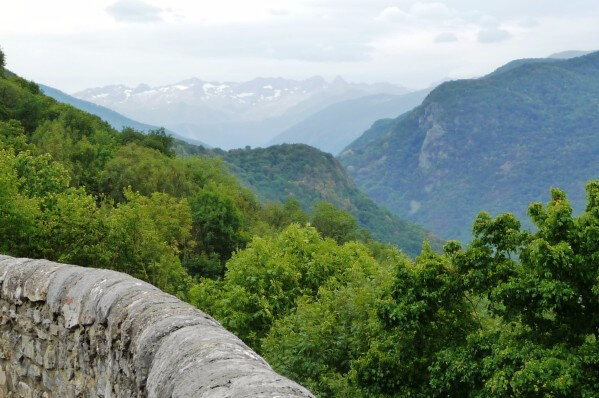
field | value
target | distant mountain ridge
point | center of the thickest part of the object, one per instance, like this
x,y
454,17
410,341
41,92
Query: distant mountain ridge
x,y
569,54
231,114
115,119
494,143
337,125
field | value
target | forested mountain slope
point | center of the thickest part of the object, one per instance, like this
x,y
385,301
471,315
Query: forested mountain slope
x,y
309,176
337,125
494,143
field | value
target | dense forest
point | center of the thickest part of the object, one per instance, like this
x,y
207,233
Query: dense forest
x,y
514,313
309,176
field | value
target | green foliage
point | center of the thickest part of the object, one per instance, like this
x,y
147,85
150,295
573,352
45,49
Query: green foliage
x,y
207,265
143,169
334,223
12,136
145,236
513,314
532,329
75,190
217,224
425,312
18,213
154,139
319,342
41,215
310,176
262,282
282,215
2,59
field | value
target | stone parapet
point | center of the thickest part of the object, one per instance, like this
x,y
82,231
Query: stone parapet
x,y
68,331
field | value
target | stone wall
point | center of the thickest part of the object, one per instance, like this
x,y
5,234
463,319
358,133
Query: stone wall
x,y
68,331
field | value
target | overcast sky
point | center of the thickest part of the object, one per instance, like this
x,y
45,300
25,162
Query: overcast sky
x,y
75,44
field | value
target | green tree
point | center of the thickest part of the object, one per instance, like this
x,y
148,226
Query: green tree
x,y
542,290
145,237
154,139
159,140
71,229
318,343
216,223
334,223
81,149
514,314
18,213
143,169
12,136
425,311
280,216
263,281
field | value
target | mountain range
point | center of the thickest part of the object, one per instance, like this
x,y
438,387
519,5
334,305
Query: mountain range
x,y
230,114
115,119
334,127
495,143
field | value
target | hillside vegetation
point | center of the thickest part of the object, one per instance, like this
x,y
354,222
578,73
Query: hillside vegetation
x,y
310,176
494,143
296,172
279,173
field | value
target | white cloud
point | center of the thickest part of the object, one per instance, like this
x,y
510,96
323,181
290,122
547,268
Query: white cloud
x,y
446,37
430,10
418,11
134,11
393,14
488,21
493,35
279,12
528,23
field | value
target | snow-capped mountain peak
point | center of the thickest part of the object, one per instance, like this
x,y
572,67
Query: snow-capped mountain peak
x,y
199,106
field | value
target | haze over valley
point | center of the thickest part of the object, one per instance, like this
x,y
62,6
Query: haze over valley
x,y
231,115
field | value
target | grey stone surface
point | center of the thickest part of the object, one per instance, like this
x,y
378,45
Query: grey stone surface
x,y
68,331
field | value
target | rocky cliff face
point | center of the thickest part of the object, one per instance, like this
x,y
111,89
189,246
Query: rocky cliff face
x,y
68,331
